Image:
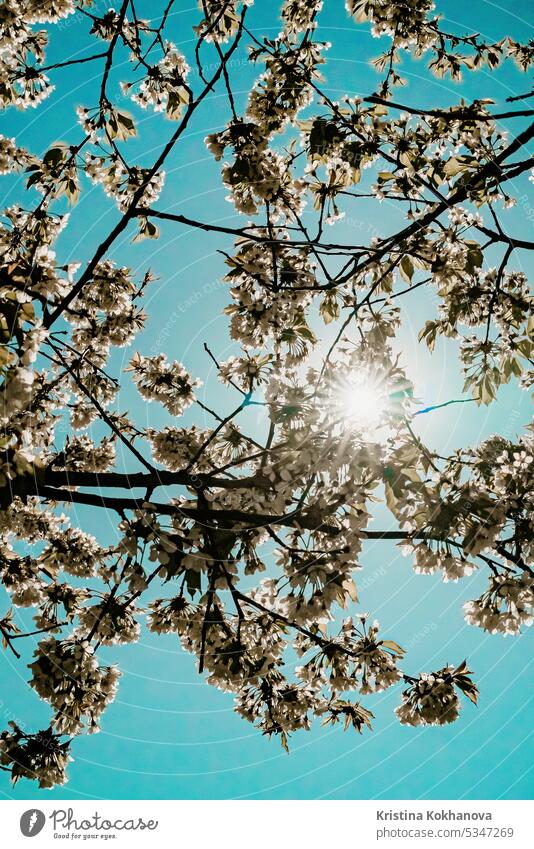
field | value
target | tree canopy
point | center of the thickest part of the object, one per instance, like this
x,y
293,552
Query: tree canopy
x,y
245,541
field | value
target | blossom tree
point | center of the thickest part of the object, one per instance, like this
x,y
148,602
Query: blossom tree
x,y
243,541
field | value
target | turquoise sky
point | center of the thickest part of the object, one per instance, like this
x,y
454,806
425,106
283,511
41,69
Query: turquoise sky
x,y
168,735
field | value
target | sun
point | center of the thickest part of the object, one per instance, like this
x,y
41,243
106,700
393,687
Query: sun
x,y
362,401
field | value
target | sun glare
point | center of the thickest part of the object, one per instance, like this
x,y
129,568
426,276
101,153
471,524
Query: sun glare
x,y
362,402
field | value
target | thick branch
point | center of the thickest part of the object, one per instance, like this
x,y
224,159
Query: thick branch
x,y
149,480
452,114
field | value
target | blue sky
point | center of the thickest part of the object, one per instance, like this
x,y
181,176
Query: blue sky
x,y
168,735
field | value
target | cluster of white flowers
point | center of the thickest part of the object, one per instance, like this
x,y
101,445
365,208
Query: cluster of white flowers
x,y
105,313
428,561
110,290
262,312
169,615
48,11
164,88
106,25
355,659
12,157
278,706
222,19
109,621
167,383
42,756
317,582
248,371
471,299
124,184
514,470
74,551
284,89
29,521
56,596
233,654
506,606
432,699
377,660
21,84
20,577
88,121
298,16
81,453
26,250
257,175
16,393
82,414
67,675
176,447
97,384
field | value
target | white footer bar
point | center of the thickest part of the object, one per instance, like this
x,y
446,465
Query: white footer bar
x,y
268,824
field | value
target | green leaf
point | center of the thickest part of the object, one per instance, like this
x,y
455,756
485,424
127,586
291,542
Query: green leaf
x,y
391,500
452,167
147,230
406,269
329,309
350,587
193,581
393,646
120,125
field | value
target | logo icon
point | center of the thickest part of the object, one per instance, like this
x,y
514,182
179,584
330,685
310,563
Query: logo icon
x,y
32,822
